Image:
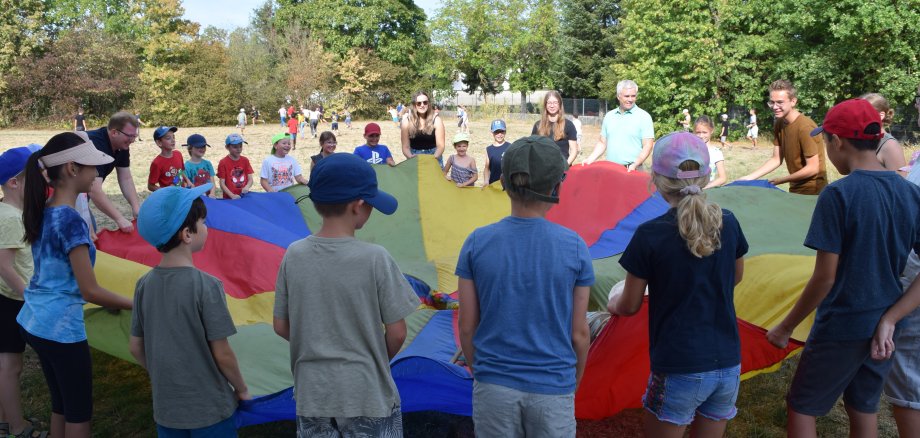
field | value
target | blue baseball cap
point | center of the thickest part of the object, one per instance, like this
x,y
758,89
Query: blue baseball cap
x,y
164,211
498,125
162,130
12,162
235,139
196,141
344,177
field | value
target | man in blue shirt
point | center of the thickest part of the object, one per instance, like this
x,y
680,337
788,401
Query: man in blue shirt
x,y
115,140
627,133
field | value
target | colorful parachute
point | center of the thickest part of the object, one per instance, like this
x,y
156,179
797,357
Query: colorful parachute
x,y
603,203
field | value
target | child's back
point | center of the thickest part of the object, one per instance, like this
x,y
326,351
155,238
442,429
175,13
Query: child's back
x,y
177,312
865,218
338,292
525,299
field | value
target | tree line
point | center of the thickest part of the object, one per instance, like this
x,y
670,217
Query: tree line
x,y
711,56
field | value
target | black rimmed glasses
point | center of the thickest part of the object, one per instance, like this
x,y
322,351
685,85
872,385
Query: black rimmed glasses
x,y
127,135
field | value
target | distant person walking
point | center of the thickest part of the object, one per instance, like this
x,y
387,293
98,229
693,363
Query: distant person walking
x,y
241,120
79,121
685,119
282,115
753,130
627,134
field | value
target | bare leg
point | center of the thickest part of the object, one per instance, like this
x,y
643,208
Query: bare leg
x,y
862,425
800,425
76,430
57,424
10,402
661,429
908,421
703,427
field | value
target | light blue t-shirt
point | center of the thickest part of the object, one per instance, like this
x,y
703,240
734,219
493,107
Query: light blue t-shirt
x,y
871,220
525,270
53,306
374,155
624,132
199,173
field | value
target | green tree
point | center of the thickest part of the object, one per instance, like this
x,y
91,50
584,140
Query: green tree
x,y
675,69
535,47
475,36
393,29
209,95
21,36
254,70
587,45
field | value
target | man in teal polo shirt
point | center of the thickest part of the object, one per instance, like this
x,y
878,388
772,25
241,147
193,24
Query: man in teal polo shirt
x,y
627,134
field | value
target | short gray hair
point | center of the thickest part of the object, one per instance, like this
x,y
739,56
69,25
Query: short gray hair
x,y
627,84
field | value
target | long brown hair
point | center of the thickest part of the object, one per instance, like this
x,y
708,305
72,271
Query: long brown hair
x,y
544,126
418,122
35,194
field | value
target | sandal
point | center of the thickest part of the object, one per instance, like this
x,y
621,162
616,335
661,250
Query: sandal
x,y
30,431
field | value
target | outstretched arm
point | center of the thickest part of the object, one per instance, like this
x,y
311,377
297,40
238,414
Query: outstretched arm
x,y
815,291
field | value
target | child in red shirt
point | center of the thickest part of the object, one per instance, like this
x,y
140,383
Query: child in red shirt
x,y
167,168
234,171
292,130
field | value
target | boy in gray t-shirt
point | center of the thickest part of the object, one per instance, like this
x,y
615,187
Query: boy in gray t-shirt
x,y
341,303
180,323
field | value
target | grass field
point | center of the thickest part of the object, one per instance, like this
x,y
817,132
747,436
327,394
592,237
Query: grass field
x,y
122,391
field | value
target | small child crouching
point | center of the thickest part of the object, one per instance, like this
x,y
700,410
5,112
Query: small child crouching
x,y
180,323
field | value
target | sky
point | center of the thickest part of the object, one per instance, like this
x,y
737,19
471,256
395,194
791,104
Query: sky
x,y
230,14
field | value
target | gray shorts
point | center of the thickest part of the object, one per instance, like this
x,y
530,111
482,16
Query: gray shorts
x,y
342,427
902,388
829,369
499,411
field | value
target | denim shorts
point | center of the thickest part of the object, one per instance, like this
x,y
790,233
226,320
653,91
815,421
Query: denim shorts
x,y
677,398
828,369
427,152
338,427
223,429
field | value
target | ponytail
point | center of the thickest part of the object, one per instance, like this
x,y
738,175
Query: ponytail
x,y
35,194
698,220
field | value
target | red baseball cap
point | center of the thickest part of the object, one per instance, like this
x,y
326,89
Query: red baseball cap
x,y
372,128
855,119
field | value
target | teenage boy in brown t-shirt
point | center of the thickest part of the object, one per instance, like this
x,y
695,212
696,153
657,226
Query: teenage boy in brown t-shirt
x,y
792,143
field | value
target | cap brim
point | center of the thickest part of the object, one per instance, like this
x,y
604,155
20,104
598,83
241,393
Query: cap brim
x,y
817,131
383,202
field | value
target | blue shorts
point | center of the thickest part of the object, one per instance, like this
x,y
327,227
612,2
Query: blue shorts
x,y
225,428
828,369
677,398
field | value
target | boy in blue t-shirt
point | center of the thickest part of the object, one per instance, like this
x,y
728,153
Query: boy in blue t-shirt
x,y
199,171
373,152
863,228
526,361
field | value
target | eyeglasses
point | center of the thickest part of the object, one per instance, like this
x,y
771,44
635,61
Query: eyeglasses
x,y
126,135
425,102
772,104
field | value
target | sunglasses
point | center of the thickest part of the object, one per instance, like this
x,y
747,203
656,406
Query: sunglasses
x,y
425,102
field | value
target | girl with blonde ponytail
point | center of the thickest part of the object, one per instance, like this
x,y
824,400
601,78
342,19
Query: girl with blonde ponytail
x,y
690,259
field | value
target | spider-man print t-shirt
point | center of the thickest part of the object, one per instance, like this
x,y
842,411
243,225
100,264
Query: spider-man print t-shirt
x,y
234,173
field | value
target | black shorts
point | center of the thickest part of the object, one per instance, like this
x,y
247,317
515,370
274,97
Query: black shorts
x,y
11,340
68,372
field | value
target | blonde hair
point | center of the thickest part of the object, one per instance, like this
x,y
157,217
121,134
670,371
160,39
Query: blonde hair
x,y
881,105
558,130
417,122
698,220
